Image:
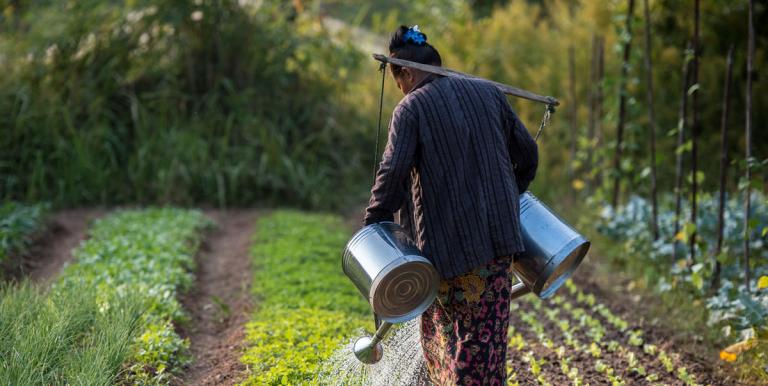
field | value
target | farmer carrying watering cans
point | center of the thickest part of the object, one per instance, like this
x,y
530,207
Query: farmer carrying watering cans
x,y
456,161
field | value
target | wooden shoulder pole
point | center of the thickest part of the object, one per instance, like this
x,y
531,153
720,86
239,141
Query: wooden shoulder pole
x,y
506,89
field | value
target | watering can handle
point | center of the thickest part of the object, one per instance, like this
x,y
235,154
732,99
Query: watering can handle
x,y
518,290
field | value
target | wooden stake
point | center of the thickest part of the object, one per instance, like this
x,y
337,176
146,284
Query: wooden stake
x,y
572,110
651,122
592,105
681,124
599,102
622,106
694,132
748,139
723,167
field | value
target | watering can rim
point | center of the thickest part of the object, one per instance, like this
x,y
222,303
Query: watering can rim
x,y
580,242
428,299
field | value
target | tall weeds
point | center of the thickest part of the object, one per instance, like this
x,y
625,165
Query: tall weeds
x,y
172,102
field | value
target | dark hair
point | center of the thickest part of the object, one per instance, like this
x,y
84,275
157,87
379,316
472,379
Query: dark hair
x,y
403,45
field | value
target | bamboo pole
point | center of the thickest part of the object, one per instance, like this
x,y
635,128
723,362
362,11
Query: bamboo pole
x,y
506,89
592,106
622,106
572,110
694,133
599,103
651,122
748,139
681,124
723,167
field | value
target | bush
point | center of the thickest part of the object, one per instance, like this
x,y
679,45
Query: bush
x,y
730,306
174,102
17,223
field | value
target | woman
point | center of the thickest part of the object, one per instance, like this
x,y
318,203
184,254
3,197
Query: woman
x,y
456,160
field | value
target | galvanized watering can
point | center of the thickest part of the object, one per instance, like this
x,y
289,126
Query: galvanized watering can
x,y
400,284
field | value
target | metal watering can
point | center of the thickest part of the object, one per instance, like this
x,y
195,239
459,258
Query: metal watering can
x,y
400,284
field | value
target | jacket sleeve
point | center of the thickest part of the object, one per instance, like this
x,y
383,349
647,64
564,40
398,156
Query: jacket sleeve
x,y
523,150
390,191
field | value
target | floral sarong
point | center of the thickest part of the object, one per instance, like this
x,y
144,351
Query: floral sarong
x,y
464,332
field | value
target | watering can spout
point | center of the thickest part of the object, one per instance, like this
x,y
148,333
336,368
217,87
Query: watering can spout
x,y
368,349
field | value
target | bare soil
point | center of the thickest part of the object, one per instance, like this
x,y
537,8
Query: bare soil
x,y
52,248
641,310
219,303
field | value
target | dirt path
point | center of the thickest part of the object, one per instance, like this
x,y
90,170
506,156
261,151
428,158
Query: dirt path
x,y
220,301
66,230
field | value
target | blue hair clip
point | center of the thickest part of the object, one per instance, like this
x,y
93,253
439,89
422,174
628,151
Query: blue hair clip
x,y
414,35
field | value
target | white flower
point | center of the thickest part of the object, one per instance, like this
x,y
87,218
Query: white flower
x,y
197,15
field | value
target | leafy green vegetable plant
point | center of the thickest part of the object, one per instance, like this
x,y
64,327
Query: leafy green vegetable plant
x,y
306,306
17,223
110,318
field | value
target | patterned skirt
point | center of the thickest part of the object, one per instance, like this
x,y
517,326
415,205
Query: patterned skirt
x,y
464,332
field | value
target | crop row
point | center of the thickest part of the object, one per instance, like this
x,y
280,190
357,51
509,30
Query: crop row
x,y
306,308
563,351
599,350
632,337
110,317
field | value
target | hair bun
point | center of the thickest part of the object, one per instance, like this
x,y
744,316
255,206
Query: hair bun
x,y
413,35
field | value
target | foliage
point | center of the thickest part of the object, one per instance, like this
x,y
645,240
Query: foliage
x,y
739,314
110,317
306,305
174,101
17,223
63,337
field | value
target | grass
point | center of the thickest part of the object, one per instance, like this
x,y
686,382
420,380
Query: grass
x,y
306,306
63,337
110,317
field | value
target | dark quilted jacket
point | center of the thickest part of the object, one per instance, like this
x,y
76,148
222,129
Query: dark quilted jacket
x,y
456,160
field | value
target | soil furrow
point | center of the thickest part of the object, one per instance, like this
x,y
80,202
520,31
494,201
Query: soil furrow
x,y
583,362
219,303
703,373
65,230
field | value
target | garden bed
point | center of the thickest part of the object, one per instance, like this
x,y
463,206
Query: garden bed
x,y
306,307
111,316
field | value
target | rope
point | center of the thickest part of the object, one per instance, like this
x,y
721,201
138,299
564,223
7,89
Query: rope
x,y
382,68
545,120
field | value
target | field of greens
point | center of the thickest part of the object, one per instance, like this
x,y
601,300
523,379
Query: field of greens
x,y
110,316
114,315
306,306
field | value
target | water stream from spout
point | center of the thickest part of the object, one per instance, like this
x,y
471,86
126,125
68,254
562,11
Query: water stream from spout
x,y
402,363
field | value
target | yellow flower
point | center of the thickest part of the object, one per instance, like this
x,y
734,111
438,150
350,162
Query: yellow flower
x,y
726,356
762,282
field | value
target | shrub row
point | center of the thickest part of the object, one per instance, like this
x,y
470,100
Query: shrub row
x,y
110,317
306,306
17,223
